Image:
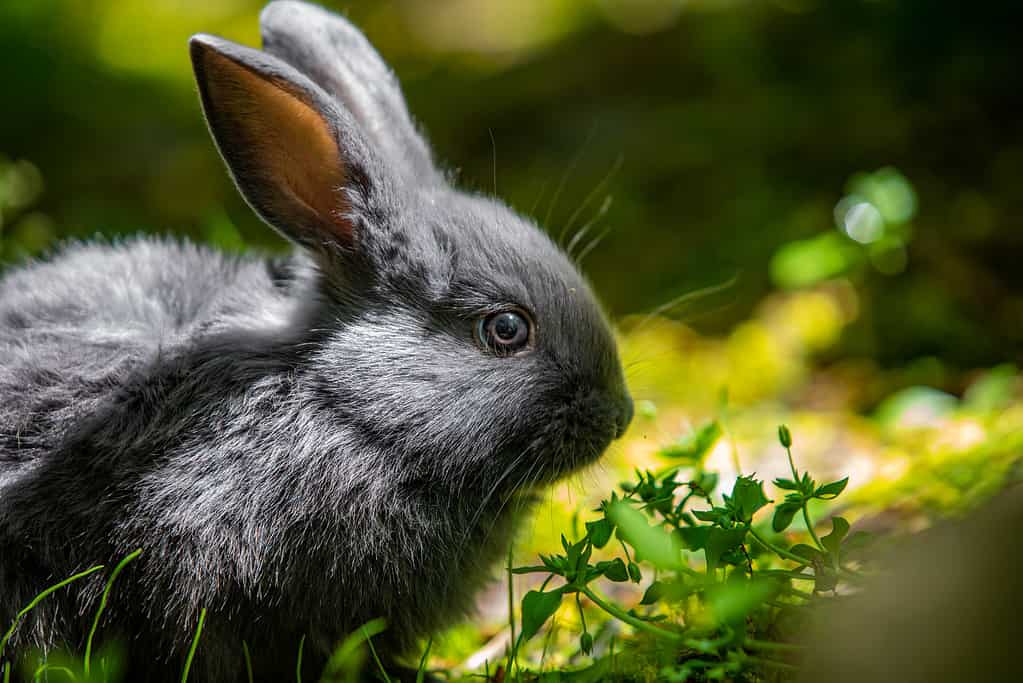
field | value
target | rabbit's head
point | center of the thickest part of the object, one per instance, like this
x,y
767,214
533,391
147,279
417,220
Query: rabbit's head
x,y
452,331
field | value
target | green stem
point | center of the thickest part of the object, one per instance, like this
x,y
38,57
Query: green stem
x,y
809,527
632,621
625,549
513,652
806,513
781,552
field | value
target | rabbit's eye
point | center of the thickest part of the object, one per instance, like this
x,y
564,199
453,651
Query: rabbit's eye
x,y
505,333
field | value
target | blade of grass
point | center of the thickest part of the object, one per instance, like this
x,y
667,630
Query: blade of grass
x,y
35,601
514,645
195,644
46,668
102,606
421,672
344,657
248,660
380,665
298,664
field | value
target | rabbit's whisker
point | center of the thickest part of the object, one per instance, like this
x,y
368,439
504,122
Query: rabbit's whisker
x,y
686,298
591,246
539,198
598,188
601,212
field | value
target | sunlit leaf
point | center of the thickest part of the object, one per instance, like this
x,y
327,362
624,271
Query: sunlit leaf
x,y
832,490
731,602
719,542
696,445
783,515
537,608
833,541
748,497
599,532
652,543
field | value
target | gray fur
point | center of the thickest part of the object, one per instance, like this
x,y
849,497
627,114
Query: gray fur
x,y
298,445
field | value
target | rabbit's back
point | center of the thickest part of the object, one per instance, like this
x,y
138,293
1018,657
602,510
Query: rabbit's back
x,y
73,329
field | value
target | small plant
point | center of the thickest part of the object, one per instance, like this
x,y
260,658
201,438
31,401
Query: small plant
x,y
725,588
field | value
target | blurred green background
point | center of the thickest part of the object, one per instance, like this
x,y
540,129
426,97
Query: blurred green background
x,y
779,142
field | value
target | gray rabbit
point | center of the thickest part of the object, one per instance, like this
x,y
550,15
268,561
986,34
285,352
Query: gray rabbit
x,y
298,445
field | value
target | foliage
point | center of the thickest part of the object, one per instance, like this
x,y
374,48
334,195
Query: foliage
x,y
723,584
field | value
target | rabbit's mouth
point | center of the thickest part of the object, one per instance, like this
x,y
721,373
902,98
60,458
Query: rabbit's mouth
x,y
580,432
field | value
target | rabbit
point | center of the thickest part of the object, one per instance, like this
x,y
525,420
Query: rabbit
x,y
304,443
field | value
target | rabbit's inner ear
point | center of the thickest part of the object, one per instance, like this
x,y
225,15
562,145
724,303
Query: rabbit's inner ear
x,y
336,56
283,153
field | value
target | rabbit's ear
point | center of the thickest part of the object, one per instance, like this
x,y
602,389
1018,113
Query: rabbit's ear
x,y
296,156
339,58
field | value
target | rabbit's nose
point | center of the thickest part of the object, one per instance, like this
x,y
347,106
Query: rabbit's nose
x,y
626,409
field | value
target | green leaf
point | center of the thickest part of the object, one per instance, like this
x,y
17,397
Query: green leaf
x,y
832,490
615,570
807,551
653,593
833,541
705,483
721,541
783,515
729,603
556,563
653,543
634,573
748,497
706,515
787,484
577,555
599,532
586,643
537,608
694,537
696,445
